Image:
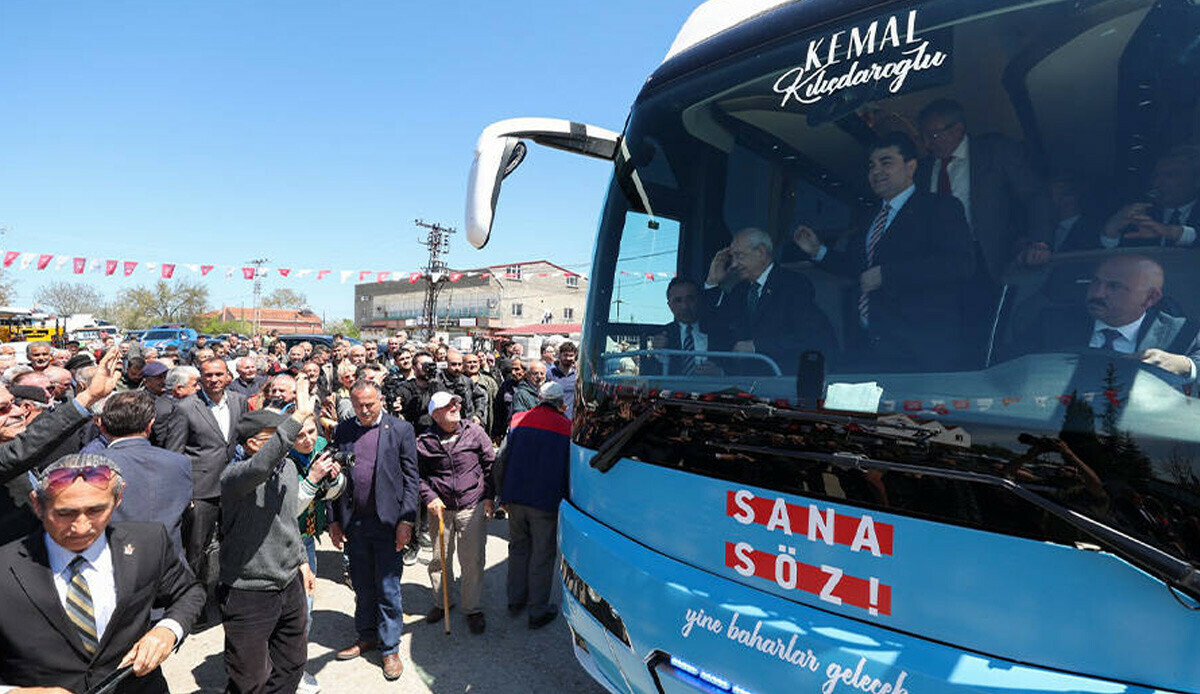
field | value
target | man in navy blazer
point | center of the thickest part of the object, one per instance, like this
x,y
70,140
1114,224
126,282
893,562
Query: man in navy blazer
x,y
374,517
911,264
1173,218
685,300
769,310
160,480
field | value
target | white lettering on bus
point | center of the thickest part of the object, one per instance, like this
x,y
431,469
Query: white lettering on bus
x,y
865,537
835,576
786,571
745,565
779,517
819,523
745,514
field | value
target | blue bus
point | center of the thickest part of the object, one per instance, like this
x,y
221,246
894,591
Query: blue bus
x,y
888,380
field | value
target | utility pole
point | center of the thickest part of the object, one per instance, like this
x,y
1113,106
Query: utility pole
x,y
437,240
258,264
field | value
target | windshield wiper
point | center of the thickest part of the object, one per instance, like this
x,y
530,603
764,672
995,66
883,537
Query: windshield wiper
x,y
1176,573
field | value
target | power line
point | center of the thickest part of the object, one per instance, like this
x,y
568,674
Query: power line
x,y
437,240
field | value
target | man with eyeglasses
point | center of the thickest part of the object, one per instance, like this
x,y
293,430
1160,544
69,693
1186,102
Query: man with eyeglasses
x,y
1007,203
80,589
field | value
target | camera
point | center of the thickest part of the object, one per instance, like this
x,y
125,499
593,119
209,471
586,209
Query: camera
x,y
344,458
429,370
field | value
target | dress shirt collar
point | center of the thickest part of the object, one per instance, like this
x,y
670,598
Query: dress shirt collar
x,y
962,151
373,424
762,279
1129,331
1185,211
209,401
96,554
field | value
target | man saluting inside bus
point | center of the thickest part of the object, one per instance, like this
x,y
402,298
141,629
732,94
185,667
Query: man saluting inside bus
x,y
910,263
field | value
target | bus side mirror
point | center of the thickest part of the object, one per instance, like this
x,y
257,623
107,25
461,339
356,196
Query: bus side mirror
x,y
500,151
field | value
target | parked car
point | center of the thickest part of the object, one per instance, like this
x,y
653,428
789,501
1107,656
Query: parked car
x,y
162,337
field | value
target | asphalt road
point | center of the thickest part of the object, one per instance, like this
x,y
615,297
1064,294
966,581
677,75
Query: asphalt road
x,y
508,657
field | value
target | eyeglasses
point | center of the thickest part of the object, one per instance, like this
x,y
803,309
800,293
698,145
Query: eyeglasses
x,y
96,475
937,134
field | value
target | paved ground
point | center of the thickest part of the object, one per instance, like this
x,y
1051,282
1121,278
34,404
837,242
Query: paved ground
x,y
507,658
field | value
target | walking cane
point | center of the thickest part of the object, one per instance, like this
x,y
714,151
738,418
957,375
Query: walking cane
x,y
445,571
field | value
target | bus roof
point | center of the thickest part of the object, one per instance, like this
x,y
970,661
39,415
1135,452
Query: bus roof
x,y
716,16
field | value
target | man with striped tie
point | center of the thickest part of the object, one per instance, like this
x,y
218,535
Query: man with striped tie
x,y
685,333
912,264
77,592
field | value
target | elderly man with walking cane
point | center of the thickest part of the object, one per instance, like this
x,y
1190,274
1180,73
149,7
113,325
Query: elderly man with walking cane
x,y
455,461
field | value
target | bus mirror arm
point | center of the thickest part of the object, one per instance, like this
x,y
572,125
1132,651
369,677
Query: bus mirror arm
x,y
500,151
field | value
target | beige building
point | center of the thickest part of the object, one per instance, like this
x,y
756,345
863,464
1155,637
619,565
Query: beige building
x,y
533,297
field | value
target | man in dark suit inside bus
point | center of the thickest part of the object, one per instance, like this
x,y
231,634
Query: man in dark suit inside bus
x,y
1007,203
768,311
1173,217
911,264
686,333
1123,315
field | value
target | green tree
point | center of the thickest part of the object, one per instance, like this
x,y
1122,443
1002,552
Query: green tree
x,y
166,302
8,291
66,298
345,326
285,298
214,326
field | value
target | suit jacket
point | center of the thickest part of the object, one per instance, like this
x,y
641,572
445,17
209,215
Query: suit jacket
x,y
33,449
169,431
1071,331
1009,200
718,341
397,483
787,322
247,390
925,256
158,485
208,450
38,644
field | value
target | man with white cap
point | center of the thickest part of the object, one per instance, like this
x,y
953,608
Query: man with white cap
x,y
532,469
455,461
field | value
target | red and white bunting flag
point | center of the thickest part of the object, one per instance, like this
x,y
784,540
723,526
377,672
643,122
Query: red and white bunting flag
x,y
322,273
383,276
285,271
650,276
61,262
168,269
44,260
192,266
130,266
346,275
10,257
110,266
414,277
304,273
248,273
363,275
455,276
80,265
205,269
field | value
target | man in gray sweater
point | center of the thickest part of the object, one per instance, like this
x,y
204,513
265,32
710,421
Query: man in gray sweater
x,y
265,576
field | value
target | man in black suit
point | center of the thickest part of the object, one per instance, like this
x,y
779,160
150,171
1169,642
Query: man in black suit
x,y
1007,202
686,333
210,418
1173,218
162,479
77,592
168,431
769,311
374,518
911,265
1122,316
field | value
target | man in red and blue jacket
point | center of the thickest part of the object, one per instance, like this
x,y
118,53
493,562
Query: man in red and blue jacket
x,y
533,473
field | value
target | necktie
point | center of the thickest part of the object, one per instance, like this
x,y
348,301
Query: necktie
x,y
687,364
1110,337
752,297
873,237
944,177
79,606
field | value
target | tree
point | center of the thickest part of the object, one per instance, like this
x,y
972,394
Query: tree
x,y
345,326
7,291
174,302
285,298
213,325
66,298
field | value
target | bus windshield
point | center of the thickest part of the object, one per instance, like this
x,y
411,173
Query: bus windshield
x,y
967,227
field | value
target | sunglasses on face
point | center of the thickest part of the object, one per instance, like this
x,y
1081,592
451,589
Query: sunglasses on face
x,y
98,476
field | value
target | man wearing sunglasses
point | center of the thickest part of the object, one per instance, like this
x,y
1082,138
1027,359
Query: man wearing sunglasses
x,y
78,590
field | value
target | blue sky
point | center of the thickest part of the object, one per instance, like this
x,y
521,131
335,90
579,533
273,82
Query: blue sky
x,y
310,133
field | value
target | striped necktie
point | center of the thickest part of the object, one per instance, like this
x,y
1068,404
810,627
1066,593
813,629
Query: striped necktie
x,y
1111,336
79,606
873,238
687,364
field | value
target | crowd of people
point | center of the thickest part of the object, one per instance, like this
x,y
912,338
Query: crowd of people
x,y
214,471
